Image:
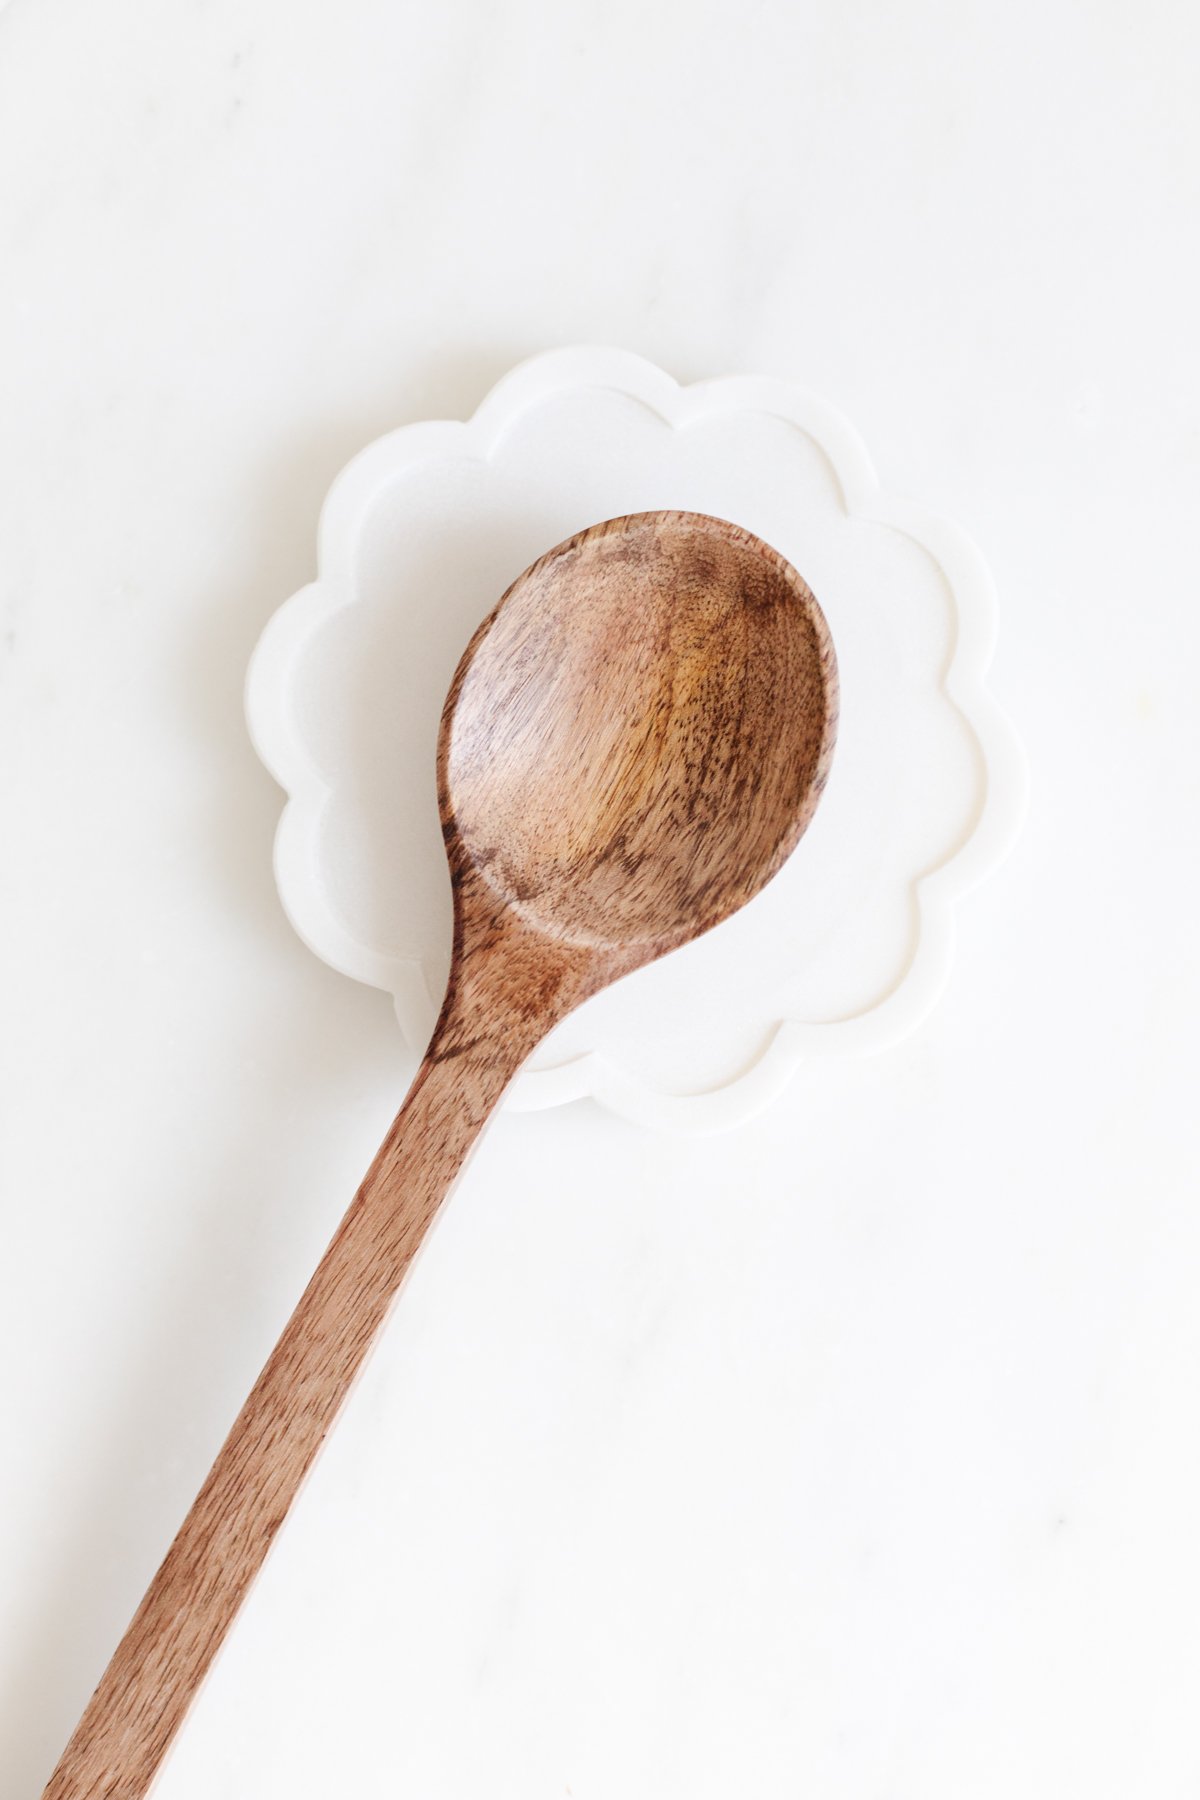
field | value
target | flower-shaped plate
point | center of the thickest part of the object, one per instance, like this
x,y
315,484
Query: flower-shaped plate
x,y
850,945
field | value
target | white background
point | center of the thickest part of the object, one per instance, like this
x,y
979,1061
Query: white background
x,y
853,1454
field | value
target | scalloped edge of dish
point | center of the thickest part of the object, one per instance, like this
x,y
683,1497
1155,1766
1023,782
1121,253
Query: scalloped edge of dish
x,y
792,1041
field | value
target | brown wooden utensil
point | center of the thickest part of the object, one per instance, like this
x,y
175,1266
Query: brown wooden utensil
x,y
632,745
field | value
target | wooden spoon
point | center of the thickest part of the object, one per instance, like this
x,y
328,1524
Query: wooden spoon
x,y
631,746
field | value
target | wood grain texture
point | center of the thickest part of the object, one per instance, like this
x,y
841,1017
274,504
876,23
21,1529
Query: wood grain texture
x,y
632,744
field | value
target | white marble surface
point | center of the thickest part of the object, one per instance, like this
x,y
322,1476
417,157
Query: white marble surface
x,y
852,1454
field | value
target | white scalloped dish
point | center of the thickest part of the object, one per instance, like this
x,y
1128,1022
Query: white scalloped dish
x,y
850,945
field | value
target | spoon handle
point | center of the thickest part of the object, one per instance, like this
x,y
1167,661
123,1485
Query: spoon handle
x,y
158,1666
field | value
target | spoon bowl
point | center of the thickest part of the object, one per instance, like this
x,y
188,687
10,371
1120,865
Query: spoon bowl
x,y
638,734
